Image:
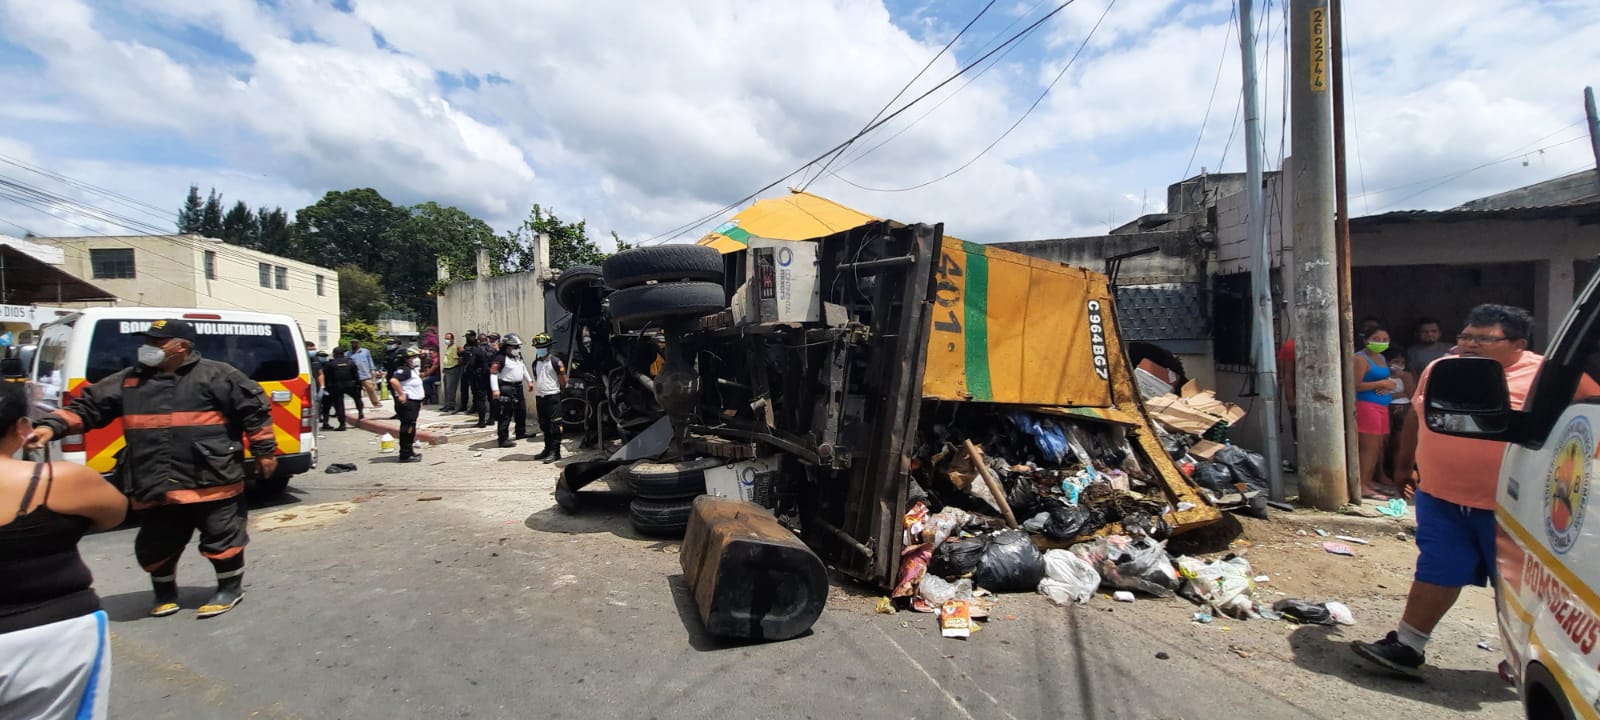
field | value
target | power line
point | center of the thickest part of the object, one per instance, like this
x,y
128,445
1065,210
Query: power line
x,y
903,90
681,229
1014,125
996,61
1227,33
1455,176
121,199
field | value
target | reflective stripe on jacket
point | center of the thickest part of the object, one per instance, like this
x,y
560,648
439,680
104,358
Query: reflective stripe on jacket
x,y
185,431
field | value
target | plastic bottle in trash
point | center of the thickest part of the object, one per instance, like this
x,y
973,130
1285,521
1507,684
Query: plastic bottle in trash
x,y
386,443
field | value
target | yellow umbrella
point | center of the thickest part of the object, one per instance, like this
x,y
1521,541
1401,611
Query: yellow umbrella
x,y
796,216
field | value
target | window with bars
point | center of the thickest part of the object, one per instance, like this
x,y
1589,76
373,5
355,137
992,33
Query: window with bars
x,y
112,263
211,264
281,277
264,270
320,280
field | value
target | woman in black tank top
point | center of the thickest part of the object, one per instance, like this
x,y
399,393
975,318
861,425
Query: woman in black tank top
x,y
45,587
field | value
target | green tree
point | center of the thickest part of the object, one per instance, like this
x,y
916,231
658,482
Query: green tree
x,y
189,216
211,216
361,295
357,330
570,244
430,235
347,227
621,244
239,226
274,234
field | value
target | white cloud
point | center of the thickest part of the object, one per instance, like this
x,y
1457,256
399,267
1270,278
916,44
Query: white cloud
x,y
641,116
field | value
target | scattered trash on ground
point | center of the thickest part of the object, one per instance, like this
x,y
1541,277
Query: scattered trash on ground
x,y
1339,549
1484,645
1349,538
1395,508
1122,596
340,468
430,498
1163,656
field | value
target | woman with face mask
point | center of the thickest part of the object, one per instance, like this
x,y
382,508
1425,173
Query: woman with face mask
x,y
1375,389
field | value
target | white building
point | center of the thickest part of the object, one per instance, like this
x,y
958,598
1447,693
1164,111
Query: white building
x,y
200,272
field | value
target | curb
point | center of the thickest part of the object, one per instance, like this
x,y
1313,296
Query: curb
x,y
1347,524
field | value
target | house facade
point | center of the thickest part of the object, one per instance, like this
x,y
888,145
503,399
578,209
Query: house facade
x,y
190,271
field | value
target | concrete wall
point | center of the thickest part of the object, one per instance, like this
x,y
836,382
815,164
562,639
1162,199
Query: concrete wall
x,y
170,272
1179,260
504,303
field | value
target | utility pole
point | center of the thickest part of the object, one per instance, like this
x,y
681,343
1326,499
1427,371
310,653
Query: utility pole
x,y
1261,277
1318,375
1594,129
1341,199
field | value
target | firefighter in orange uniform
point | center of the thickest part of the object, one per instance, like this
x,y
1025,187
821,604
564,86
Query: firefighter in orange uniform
x,y
186,420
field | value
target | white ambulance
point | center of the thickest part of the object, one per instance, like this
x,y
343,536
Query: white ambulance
x,y
1548,548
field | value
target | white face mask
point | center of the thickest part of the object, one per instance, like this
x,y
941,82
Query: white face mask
x,y
416,362
151,356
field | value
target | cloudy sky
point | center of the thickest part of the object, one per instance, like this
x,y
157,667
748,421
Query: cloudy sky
x,y
642,116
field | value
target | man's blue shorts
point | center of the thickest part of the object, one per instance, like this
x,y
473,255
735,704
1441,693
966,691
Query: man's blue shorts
x,y
1455,543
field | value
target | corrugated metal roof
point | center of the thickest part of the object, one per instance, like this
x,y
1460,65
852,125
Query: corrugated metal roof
x,y
1586,210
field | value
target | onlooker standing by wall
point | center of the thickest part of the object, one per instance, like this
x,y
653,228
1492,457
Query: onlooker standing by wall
x,y
430,374
449,373
1374,389
366,371
55,651
1428,345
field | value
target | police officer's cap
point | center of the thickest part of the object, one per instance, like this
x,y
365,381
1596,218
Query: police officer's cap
x,y
170,328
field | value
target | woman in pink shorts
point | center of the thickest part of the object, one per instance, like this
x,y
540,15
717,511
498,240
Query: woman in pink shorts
x,y
1374,390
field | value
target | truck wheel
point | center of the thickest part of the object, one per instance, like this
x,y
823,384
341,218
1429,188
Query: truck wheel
x,y
660,519
645,303
267,488
671,481
573,284
663,263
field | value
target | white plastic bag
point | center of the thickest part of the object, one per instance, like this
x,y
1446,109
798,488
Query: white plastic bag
x,y
1225,585
935,590
1068,578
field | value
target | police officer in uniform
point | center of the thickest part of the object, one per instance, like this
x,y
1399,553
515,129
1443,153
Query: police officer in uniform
x,y
549,376
183,417
509,381
406,384
476,359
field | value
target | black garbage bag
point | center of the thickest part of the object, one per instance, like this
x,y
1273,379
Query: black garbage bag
x,y
1305,613
1248,467
1065,521
1141,523
1010,563
956,558
1022,495
1215,477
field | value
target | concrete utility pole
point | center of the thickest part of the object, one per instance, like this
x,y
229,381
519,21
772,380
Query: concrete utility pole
x,y
1594,129
1261,276
1341,200
1318,375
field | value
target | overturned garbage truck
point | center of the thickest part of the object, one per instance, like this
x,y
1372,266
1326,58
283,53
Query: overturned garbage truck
x,y
835,368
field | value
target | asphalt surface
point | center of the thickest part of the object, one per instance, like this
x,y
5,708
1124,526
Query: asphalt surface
x,y
453,588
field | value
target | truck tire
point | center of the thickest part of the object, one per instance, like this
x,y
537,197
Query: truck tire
x,y
645,303
660,519
573,283
663,263
671,481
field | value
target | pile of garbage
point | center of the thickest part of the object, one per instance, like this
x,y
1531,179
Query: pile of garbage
x,y
1011,501
1193,427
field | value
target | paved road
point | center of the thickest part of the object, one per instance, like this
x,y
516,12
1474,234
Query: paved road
x,y
366,601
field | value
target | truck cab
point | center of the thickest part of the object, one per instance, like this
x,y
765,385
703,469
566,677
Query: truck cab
x,y
1547,548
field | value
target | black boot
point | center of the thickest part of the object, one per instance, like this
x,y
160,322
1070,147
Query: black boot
x,y
230,591
554,454
166,590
